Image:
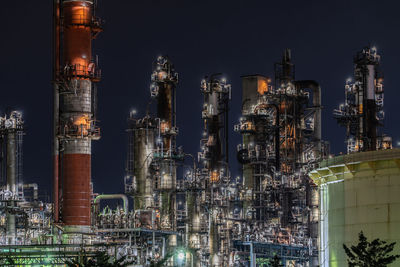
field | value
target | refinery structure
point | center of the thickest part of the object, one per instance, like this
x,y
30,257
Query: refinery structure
x,y
292,199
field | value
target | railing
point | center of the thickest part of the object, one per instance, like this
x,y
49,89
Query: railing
x,y
83,20
361,157
79,131
82,71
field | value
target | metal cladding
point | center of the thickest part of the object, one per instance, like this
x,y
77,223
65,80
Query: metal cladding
x,y
74,106
76,189
142,135
362,112
347,198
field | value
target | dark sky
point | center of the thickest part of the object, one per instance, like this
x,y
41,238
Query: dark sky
x,y
201,37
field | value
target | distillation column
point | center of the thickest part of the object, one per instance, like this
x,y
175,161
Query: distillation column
x,y
142,135
11,129
214,155
74,106
362,112
164,81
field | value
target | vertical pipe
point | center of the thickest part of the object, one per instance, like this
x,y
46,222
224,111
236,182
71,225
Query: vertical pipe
x,y
252,260
164,80
11,162
11,183
75,113
56,64
227,131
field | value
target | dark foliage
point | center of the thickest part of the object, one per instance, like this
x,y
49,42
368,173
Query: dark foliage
x,y
368,254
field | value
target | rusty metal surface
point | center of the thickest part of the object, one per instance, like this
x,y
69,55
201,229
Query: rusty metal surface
x,y
77,41
76,189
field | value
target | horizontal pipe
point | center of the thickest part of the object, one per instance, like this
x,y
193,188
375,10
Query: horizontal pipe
x,y
114,196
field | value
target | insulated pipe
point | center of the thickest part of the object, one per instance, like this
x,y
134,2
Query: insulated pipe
x,y
11,162
113,196
11,183
316,90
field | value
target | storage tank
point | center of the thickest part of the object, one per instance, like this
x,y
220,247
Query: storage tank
x,y
358,192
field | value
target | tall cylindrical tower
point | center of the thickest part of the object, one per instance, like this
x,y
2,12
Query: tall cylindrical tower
x,y
11,132
164,80
362,111
142,134
214,156
75,76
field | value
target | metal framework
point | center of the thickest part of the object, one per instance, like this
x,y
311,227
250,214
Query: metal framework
x,y
281,134
362,112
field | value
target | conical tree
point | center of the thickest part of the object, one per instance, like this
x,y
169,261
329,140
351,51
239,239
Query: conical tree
x,y
370,254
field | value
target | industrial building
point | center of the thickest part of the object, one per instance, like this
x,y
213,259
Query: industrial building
x,y
293,200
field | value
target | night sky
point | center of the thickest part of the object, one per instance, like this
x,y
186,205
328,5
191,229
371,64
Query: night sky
x,y
200,37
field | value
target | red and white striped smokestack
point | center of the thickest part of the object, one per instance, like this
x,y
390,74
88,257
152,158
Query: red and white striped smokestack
x,y
75,74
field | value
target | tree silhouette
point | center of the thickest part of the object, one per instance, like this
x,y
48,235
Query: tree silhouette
x,y
370,254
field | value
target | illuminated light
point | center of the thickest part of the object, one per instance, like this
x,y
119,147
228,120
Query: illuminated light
x,y
262,87
164,126
214,176
335,182
181,255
